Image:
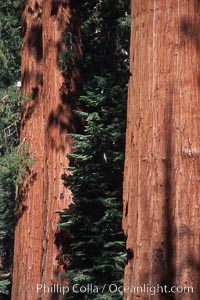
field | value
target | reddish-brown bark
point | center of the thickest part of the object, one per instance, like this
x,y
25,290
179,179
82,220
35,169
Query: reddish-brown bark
x,y
161,182
46,120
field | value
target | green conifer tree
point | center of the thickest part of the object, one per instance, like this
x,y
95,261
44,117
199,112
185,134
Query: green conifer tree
x,y
97,246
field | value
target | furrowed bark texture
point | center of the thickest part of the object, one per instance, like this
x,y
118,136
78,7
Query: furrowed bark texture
x,y
46,120
161,183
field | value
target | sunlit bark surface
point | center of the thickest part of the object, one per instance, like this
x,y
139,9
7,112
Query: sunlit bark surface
x,y
162,169
46,120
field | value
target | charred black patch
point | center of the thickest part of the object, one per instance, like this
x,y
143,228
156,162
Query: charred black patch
x,y
30,11
59,46
65,4
198,4
35,44
36,5
126,211
185,25
35,92
129,253
24,26
54,7
190,30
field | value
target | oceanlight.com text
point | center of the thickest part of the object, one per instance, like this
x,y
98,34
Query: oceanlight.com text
x,y
112,288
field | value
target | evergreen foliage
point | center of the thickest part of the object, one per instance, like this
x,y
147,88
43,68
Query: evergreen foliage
x,y
9,162
10,44
8,176
10,110
97,246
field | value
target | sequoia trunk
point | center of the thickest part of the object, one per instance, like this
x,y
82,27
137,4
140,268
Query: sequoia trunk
x,y
161,181
46,120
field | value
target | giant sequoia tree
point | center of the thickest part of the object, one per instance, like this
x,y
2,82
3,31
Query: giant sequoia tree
x,y
161,185
46,119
